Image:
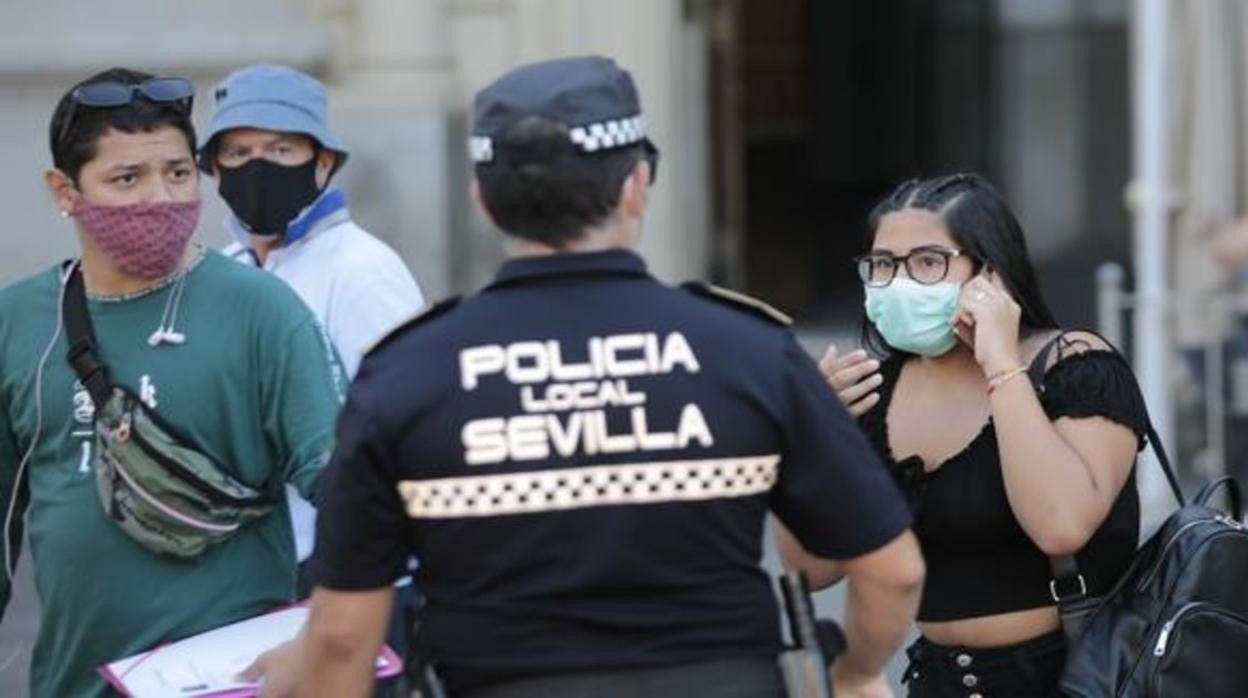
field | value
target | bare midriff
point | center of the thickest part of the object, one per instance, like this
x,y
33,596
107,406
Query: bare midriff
x,y
995,630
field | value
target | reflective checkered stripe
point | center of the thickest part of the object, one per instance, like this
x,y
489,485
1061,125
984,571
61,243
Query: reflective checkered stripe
x,y
480,149
590,138
599,485
608,134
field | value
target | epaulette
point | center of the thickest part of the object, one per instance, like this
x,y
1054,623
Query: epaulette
x,y
739,301
437,309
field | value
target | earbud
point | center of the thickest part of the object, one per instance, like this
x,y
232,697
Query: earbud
x,y
162,336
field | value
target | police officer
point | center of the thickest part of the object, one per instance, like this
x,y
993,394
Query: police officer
x,y
583,457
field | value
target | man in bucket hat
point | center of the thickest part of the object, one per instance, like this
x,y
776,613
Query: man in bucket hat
x,y
271,150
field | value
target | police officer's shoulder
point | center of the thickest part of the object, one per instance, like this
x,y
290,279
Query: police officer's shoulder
x,y
738,301
419,320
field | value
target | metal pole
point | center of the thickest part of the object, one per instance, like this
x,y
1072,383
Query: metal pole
x,y
729,263
1110,301
1213,461
1149,57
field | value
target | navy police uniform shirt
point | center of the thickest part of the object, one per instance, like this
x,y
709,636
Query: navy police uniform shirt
x,y
582,458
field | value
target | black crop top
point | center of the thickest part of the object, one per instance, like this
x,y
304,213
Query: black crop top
x,y
979,560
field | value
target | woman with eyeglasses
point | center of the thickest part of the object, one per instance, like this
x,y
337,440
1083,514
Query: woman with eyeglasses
x,y
1001,473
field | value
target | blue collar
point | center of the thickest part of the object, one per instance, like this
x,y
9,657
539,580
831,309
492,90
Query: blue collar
x,y
330,201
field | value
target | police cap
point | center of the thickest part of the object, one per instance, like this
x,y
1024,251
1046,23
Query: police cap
x,y
591,96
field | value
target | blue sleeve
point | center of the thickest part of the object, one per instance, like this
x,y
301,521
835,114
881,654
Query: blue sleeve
x,y
833,492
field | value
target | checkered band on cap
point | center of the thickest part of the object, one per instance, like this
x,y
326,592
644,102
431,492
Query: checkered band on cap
x,y
589,138
481,149
577,488
615,133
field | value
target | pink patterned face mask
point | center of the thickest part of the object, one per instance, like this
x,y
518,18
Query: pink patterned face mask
x,y
144,240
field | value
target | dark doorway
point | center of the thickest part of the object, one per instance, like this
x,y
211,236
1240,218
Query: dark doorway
x,y
820,108
837,103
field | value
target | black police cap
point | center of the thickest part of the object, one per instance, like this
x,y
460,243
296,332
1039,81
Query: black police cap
x,y
590,95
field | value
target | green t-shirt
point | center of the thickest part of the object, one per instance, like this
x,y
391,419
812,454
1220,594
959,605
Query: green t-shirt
x,y
255,383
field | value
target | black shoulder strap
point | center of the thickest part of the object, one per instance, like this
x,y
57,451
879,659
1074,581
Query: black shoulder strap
x,y
1040,365
1068,587
94,374
81,338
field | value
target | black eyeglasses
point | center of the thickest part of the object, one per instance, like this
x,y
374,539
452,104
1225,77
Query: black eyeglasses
x,y
927,265
178,92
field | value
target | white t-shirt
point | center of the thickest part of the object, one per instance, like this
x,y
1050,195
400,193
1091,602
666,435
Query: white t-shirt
x,y
359,289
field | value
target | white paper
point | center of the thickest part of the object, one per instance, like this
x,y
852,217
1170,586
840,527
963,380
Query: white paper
x,y
207,664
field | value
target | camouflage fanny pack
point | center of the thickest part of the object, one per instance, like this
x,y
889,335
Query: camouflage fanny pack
x,y
169,496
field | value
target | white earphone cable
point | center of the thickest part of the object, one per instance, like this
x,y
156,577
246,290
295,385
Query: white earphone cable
x,y
9,562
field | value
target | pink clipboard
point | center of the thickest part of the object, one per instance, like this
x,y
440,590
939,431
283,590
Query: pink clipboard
x,y
389,664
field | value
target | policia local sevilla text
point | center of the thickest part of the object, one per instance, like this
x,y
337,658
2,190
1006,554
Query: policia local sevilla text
x,y
550,384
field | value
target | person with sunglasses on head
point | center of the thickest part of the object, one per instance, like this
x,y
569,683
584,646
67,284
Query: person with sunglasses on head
x,y
1002,473
226,360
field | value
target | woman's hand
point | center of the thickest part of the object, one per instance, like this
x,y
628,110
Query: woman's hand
x,y
990,316
855,377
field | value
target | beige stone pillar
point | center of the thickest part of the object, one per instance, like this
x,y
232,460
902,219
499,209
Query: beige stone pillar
x,y
400,53
648,38
388,90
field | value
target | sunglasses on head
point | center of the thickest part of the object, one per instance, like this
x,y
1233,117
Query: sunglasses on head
x,y
178,92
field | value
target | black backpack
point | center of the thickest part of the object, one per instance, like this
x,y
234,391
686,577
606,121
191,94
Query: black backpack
x,y
1176,624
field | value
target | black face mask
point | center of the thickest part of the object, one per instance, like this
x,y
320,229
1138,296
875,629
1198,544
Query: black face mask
x,y
266,196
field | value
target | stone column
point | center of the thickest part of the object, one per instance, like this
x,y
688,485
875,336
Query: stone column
x,y
650,39
388,94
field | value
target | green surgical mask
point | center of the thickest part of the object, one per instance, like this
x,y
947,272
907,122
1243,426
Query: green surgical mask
x,y
913,317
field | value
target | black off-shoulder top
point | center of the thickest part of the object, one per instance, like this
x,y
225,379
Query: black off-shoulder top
x,y
979,560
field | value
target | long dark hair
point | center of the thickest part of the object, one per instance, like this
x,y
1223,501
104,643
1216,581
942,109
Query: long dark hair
x,y
982,224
